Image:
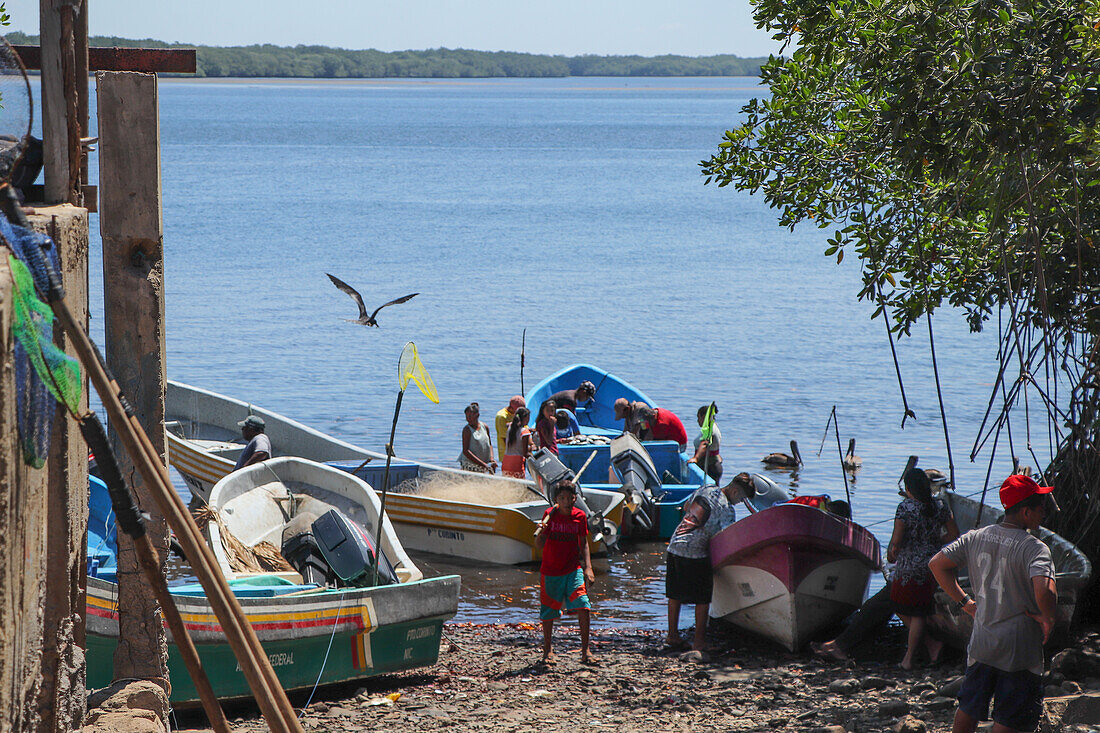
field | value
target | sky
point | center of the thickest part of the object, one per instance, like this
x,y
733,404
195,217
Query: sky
x,y
569,27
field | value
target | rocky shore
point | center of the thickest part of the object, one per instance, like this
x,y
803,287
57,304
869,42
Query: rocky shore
x,y
489,678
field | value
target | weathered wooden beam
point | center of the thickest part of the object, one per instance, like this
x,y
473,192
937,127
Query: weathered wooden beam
x,y
59,123
80,38
131,228
61,698
152,60
22,546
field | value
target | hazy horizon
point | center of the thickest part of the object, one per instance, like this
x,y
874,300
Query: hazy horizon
x,y
569,28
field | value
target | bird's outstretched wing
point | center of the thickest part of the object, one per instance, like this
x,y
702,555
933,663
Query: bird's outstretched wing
x,y
352,292
402,299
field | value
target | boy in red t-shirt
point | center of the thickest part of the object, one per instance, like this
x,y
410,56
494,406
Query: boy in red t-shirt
x,y
562,535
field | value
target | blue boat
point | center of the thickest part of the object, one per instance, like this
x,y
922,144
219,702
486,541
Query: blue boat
x,y
597,416
679,479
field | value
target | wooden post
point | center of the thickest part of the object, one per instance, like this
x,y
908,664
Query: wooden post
x,y
133,283
80,41
22,547
60,123
61,699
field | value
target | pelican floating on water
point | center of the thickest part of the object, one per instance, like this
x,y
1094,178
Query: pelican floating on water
x,y
851,460
782,460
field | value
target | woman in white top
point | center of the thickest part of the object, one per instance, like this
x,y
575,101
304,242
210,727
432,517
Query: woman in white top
x,y
477,448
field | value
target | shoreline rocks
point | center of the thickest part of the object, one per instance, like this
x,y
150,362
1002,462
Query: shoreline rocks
x,y
489,680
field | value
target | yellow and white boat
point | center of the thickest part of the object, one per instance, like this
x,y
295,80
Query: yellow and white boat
x,y
433,509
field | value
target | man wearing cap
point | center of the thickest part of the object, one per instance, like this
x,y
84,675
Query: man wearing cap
x,y
661,424
259,445
570,398
1012,576
632,414
503,418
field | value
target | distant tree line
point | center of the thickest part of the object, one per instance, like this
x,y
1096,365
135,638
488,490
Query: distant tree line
x,y
338,63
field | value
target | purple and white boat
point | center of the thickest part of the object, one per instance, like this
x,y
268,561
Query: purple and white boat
x,y
789,570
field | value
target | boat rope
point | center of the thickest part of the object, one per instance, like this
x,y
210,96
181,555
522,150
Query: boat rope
x,y
324,662
825,435
592,399
466,649
840,453
891,519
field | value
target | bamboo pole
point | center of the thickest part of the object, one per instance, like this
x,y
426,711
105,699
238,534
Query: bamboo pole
x,y
239,633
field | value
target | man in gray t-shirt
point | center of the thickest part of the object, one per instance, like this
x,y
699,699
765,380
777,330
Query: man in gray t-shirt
x,y
1012,576
259,445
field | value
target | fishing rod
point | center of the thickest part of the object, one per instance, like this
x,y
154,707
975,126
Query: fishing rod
x,y
522,361
840,453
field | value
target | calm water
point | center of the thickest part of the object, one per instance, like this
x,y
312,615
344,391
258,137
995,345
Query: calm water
x,y
572,208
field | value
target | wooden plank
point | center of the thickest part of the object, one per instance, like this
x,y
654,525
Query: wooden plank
x,y
22,547
55,129
37,192
152,60
61,701
131,228
81,48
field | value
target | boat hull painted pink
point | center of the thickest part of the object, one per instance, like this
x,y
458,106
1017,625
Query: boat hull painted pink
x,y
789,571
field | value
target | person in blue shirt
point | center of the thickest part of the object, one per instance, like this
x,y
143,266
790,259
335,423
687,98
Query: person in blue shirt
x,y
566,425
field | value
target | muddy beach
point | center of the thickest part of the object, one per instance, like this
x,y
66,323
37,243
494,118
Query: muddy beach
x,y
488,678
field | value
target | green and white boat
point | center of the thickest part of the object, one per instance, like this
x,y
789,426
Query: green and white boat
x,y
313,634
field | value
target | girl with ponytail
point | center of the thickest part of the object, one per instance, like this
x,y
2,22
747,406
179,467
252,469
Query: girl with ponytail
x,y
517,445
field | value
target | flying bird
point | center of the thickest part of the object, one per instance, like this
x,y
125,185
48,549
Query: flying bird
x,y
364,319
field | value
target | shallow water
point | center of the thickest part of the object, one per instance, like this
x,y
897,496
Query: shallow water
x,y
569,207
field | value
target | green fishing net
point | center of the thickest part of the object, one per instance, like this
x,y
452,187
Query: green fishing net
x,y
707,428
43,372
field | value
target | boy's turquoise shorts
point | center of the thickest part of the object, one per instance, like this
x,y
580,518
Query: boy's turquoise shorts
x,y
563,594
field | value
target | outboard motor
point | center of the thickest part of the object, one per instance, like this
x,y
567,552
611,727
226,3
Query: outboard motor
x,y
768,492
641,483
350,551
302,552
552,471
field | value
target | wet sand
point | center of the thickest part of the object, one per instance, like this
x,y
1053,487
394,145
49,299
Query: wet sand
x,y
488,678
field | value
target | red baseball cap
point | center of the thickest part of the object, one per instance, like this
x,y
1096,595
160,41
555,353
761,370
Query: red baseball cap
x,y
1018,487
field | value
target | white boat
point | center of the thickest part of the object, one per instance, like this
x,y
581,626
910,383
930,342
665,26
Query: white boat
x,y
789,570
434,509
263,502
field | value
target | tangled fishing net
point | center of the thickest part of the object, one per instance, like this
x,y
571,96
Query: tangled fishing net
x,y
468,489
44,374
263,557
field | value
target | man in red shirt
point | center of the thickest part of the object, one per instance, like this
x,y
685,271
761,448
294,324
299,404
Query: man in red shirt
x,y
662,424
562,535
